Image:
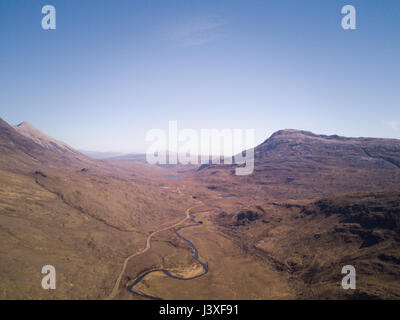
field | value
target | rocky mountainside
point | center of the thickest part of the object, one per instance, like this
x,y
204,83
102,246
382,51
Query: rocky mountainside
x,y
310,242
294,164
295,145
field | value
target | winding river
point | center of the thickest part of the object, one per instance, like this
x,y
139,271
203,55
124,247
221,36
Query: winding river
x,y
195,257
166,272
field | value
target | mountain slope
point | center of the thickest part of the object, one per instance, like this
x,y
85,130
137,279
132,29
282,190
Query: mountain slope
x,y
12,142
295,145
39,137
24,146
81,215
310,242
299,164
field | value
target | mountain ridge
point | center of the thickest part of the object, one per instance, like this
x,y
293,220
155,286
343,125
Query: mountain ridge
x,y
31,132
307,133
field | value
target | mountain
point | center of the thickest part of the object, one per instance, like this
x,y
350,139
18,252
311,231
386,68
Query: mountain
x,y
82,215
23,147
296,145
12,141
16,150
42,139
299,164
314,204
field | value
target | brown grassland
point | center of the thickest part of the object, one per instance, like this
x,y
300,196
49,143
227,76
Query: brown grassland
x,y
313,204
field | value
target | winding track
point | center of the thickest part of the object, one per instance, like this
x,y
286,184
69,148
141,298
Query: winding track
x,y
166,272
114,291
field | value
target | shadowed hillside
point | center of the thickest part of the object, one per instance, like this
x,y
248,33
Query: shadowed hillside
x,y
310,242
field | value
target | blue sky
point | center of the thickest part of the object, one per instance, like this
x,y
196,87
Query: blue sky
x,y
112,70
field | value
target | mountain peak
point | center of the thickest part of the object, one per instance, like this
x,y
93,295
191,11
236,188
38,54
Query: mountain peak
x,y
25,124
30,131
302,134
292,131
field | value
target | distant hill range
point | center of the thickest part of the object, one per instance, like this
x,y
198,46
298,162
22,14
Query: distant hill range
x,y
140,157
102,155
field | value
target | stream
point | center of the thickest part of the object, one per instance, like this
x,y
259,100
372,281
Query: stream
x,y
166,272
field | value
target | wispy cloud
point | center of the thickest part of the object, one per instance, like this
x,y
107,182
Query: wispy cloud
x,y
395,125
196,32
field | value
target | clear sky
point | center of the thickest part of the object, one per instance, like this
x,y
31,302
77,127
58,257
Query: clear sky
x,y
112,70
